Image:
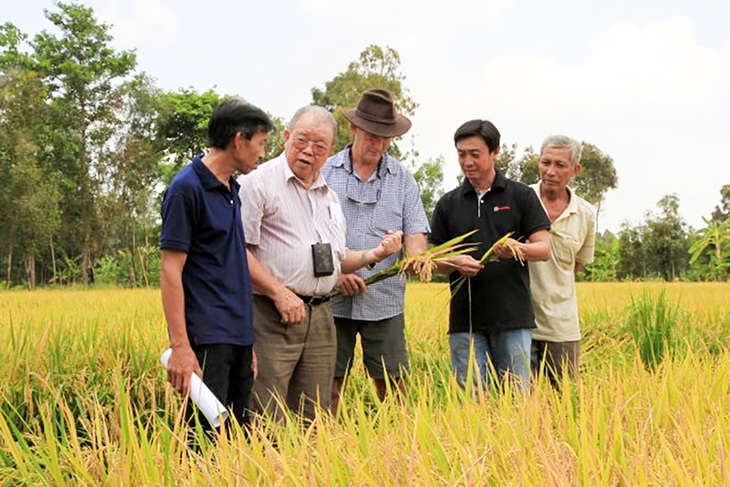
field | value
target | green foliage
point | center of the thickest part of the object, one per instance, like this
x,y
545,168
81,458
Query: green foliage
x,y
523,169
606,259
275,141
597,175
430,176
377,67
184,126
658,247
666,240
652,322
722,210
713,237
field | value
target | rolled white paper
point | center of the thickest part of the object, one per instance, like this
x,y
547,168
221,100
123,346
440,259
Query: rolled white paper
x,y
213,410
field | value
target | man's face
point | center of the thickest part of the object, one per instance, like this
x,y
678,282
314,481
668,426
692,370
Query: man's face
x,y
475,159
368,148
307,147
250,152
556,168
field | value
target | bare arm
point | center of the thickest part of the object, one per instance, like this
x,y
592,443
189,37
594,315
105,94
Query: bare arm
x,y
355,259
351,284
578,268
289,306
415,244
182,362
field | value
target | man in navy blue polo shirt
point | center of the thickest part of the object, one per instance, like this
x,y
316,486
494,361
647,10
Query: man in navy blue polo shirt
x,y
204,278
491,313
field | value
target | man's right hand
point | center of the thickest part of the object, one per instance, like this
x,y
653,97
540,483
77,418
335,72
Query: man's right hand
x,y
350,285
289,306
180,366
466,265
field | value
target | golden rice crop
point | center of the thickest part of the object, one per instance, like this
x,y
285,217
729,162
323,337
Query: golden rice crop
x,y
83,401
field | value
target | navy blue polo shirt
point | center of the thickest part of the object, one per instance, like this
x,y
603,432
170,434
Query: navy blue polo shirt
x,y
201,217
500,293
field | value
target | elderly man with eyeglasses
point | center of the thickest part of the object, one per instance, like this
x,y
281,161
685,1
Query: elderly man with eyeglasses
x,y
295,228
378,194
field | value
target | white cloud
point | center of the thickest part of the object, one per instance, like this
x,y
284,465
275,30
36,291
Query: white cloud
x,y
646,95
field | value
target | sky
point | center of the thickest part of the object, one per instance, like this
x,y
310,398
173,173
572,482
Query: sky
x,y
647,81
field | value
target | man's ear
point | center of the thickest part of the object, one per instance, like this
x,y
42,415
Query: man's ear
x,y
287,134
576,169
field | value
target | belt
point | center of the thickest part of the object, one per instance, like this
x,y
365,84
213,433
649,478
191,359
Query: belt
x,y
314,300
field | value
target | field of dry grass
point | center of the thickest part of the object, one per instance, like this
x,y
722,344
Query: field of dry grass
x,y
83,401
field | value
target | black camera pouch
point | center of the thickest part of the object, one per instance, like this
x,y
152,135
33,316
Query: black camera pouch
x,y
322,260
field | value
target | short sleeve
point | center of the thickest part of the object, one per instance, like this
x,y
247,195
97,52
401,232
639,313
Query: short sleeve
x,y
534,217
178,220
252,207
414,216
585,254
439,229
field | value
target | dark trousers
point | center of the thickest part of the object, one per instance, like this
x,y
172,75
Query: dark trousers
x,y
228,374
555,359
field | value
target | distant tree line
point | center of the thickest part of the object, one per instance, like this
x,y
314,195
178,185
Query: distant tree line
x,y
88,143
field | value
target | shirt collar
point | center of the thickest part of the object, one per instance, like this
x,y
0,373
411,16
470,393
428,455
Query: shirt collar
x,y
206,176
343,159
498,184
572,202
289,174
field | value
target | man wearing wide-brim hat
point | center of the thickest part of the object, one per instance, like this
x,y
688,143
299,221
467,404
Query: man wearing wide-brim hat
x,y
378,195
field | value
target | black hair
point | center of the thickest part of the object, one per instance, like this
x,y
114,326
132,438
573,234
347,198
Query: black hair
x,y
235,115
484,129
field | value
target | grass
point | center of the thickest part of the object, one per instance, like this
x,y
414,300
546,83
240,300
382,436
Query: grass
x,y
83,401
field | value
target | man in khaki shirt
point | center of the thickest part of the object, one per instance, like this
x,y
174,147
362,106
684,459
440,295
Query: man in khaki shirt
x,y
556,341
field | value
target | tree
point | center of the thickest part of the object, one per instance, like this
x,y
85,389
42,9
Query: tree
x,y
722,211
632,260
596,177
430,176
377,67
28,199
83,75
184,126
606,259
666,242
714,235
523,169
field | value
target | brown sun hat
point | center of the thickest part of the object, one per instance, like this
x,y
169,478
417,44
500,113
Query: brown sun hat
x,y
376,114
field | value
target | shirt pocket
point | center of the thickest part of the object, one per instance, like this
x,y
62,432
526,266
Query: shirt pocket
x,y
564,248
385,218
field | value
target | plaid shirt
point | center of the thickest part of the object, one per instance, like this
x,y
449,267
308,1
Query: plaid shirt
x,y
389,200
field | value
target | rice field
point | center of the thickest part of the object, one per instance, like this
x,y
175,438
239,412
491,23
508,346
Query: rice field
x,y
84,401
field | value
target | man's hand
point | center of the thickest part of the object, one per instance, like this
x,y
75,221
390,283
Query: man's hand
x,y
254,364
289,306
181,364
391,243
466,265
507,250
350,285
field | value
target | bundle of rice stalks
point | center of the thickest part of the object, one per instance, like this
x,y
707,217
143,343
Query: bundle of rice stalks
x,y
517,251
489,256
423,264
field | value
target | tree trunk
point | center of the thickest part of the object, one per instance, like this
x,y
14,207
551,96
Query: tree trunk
x,y
132,263
10,267
53,260
29,265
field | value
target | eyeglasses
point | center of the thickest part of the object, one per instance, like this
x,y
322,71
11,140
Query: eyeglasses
x,y
318,148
